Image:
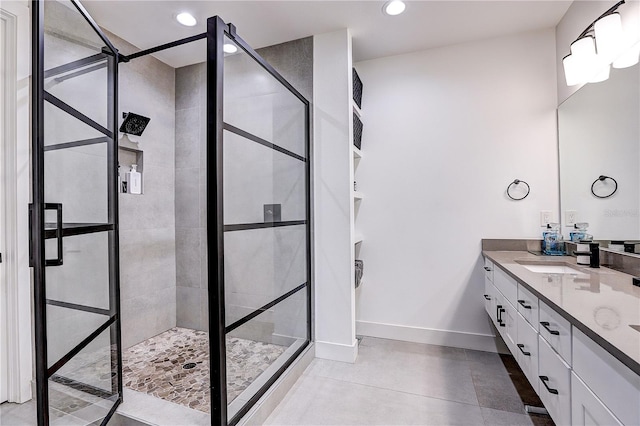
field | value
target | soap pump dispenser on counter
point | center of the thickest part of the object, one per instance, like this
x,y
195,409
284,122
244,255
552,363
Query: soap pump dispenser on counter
x,y
552,244
579,233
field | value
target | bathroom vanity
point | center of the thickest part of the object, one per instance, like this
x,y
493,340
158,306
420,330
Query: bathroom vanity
x,y
574,331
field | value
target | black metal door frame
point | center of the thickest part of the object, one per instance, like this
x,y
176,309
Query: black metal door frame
x,y
216,32
37,216
217,29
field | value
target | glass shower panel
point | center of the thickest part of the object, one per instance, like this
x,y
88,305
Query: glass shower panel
x,y
257,349
258,176
266,229
258,103
260,266
67,328
81,392
83,278
77,177
74,61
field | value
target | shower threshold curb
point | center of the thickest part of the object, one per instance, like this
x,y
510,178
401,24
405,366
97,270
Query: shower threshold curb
x,y
270,400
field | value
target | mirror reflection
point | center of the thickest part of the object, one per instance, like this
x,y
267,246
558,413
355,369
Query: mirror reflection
x,y
599,148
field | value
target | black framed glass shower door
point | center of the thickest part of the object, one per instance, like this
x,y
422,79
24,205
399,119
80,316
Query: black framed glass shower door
x,y
74,216
258,222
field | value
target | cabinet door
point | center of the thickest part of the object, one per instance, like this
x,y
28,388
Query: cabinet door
x,y
498,313
555,383
490,299
528,306
586,408
507,285
510,317
488,270
527,354
556,330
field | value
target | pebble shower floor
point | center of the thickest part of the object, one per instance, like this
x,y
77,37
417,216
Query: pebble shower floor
x,y
156,366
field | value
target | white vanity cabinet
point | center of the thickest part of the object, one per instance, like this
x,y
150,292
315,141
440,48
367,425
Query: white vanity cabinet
x,y
507,285
586,408
528,306
579,382
527,353
556,330
555,383
489,291
612,383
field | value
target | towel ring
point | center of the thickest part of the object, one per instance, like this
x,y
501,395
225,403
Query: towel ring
x,y
602,178
517,182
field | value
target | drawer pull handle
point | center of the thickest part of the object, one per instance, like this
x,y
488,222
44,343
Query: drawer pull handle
x,y
545,324
486,296
521,347
545,379
521,302
500,320
486,268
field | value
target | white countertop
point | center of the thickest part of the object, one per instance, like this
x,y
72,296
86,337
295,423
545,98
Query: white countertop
x,y
602,303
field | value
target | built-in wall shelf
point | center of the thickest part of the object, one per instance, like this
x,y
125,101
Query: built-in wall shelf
x,y
357,153
357,195
357,110
128,154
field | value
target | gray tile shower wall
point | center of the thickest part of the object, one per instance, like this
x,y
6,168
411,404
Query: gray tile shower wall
x,y
259,263
147,222
190,207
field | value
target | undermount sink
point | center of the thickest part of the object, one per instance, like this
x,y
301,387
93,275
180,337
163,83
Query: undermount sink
x,y
551,269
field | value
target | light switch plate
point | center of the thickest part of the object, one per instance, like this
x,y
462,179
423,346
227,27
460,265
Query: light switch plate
x,y
545,217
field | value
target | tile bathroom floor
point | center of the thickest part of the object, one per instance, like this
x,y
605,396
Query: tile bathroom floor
x,y
399,383
174,366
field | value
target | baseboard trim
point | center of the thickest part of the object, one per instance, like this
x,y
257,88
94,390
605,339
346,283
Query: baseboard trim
x,y
456,339
337,351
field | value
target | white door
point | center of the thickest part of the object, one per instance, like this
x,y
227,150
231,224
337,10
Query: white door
x,y
4,344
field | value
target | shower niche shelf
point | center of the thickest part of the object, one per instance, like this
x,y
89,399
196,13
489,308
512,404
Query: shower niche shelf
x,y
128,154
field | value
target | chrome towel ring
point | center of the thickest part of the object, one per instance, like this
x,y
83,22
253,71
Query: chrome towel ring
x,y
516,183
602,178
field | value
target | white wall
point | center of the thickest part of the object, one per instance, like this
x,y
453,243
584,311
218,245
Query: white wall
x,y
577,18
333,211
445,131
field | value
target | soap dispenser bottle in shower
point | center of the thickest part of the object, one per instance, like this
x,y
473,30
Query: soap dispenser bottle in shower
x,y
134,180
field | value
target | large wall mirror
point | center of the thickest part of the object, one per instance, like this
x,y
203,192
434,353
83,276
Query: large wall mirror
x,y
599,135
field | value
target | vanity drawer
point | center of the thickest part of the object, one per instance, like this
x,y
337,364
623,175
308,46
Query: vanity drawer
x,y
489,297
507,285
586,408
612,382
505,320
556,330
528,306
488,269
554,385
527,353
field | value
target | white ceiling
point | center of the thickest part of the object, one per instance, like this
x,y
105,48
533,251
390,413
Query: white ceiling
x,y
424,25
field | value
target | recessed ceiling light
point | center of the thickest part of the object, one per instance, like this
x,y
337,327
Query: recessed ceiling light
x,y
229,48
186,19
394,7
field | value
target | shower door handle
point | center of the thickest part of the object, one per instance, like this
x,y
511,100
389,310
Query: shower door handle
x,y
58,208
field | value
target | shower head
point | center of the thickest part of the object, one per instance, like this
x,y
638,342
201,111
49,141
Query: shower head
x,y
133,124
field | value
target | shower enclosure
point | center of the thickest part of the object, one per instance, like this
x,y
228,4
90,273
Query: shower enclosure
x,y
256,237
